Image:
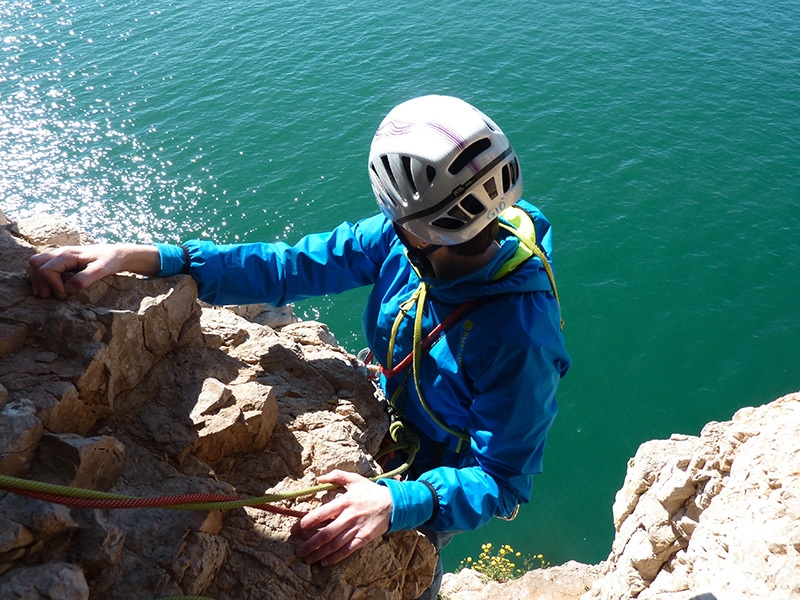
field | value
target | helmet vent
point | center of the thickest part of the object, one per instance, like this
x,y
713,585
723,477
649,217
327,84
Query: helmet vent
x,y
510,175
383,194
472,205
388,168
409,175
490,185
431,173
469,154
448,223
459,214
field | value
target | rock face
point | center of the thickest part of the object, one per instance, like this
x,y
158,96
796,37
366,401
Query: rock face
x,y
711,517
135,388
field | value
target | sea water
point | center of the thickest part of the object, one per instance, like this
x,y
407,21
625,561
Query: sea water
x,y
662,139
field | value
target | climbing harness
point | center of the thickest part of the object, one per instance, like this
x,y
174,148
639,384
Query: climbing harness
x,y
517,222
415,357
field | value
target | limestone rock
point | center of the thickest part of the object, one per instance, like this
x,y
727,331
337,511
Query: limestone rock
x,y
13,535
93,463
12,337
51,524
564,582
46,230
712,516
132,386
99,542
275,317
20,431
54,581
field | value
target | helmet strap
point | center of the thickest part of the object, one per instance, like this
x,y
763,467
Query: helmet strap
x,y
417,256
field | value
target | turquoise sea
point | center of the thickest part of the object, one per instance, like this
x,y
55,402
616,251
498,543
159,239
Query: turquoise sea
x,y
662,139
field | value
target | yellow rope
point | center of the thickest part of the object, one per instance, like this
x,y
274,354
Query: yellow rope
x,y
461,435
405,306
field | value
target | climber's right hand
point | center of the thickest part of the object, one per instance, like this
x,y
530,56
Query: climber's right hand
x,y
68,269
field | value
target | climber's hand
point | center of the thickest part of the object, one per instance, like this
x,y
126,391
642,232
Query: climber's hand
x,y
350,520
72,268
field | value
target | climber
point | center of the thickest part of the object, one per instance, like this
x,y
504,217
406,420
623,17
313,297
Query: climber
x,y
452,233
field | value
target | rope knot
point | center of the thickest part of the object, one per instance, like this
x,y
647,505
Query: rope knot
x,y
403,435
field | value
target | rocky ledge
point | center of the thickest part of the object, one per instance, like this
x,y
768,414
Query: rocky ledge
x,y
135,388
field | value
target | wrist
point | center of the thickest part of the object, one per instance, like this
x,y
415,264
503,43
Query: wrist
x,y
140,259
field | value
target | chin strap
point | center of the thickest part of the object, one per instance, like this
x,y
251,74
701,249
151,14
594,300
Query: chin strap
x,y
417,256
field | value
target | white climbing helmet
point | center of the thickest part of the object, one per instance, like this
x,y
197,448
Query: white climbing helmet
x,y
442,169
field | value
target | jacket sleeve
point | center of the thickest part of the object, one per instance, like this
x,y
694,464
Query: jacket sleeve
x,y
350,256
513,408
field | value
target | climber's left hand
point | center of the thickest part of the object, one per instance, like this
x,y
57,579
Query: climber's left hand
x,y
350,520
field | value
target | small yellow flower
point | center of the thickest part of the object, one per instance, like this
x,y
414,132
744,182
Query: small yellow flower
x,y
498,566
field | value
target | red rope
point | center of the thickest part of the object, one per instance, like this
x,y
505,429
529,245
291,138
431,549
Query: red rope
x,y
433,336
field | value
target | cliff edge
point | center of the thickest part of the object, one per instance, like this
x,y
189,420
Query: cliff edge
x,y
133,387
713,517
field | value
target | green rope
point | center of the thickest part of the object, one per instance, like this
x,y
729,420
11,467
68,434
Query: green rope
x,y
12,483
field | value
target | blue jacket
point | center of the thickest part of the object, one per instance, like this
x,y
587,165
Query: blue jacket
x,y
494,374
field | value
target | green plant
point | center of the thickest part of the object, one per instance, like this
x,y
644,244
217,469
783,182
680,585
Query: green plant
x,y
503,565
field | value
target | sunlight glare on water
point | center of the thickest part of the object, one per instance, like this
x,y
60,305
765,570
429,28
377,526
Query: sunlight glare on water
x,y
79,156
